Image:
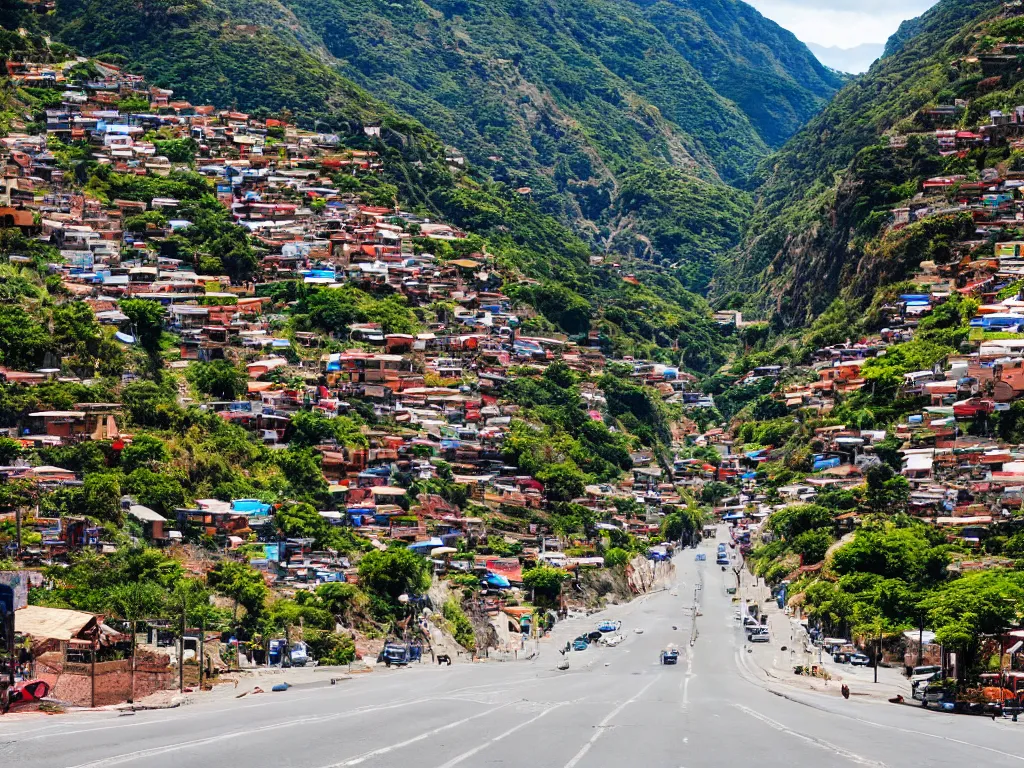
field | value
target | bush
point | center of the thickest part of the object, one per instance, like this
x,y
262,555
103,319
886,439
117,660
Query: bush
x,y
459,623
616,556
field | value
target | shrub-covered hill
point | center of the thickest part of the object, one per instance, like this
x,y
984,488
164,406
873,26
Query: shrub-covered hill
x,y
574,100
825,195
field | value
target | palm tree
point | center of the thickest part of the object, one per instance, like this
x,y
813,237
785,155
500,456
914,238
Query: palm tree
x,y
134,602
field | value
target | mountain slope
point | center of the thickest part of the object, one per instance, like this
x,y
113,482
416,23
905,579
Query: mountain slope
x,y
749,59
204,52
828,187
570,98
545,83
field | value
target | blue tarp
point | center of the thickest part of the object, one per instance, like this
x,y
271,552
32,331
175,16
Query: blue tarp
x,y
497,580
250,507
428,545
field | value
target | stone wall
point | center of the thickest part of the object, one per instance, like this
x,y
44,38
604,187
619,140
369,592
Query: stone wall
x,y
71,683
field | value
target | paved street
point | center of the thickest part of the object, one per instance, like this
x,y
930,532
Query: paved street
x,y
614,707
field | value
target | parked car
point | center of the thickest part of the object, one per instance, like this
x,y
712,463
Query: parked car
x,y
920,678
299,654
859,660
609,626
395,654
758,634
670,655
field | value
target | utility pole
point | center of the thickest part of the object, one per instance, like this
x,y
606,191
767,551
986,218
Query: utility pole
x,y
92,676
920,641
202,657
181,650
878,655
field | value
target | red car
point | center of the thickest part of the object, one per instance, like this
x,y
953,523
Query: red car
x,y
976,406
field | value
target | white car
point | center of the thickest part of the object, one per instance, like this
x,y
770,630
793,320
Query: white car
x,y
613,640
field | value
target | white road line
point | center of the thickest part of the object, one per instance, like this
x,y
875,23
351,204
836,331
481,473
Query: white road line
x,y
425,735
153,751
109,723
601,726
821,743
916,732
466,755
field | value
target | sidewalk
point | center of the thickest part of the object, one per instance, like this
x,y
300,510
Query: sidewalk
x,y
790,647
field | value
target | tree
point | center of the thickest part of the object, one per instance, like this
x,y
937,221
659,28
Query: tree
x,y
980,603
220,379
147,403
102,497
887,492
146,319
616,556
301,521
545,582
682,524
892,551
798,518
301,468
712,493
10,451
243,583
160,491
309,428
563,481
76,334
23,341
812,545
133,602
143,451
394,572
341,599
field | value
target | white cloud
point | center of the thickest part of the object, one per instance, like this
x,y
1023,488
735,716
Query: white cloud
x,y
842,23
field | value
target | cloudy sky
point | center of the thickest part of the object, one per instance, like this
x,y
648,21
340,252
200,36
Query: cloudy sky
x,y
842,23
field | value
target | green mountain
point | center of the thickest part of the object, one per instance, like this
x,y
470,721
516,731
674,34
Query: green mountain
x,y
207,54
826,194
578,100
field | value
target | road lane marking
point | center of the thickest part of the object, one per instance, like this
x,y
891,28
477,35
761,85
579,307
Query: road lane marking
x,y
466,755
425,735
153,751
110,723
901,729
821,743
601,726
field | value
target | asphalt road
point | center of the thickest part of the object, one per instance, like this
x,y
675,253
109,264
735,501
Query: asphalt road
x,y
614,707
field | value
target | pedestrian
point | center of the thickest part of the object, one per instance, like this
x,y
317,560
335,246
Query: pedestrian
x,y
845,690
